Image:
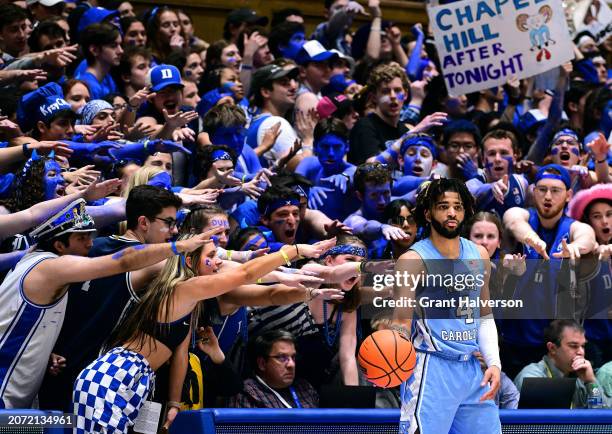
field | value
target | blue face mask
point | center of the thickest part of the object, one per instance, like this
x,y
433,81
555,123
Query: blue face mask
x,y
53,178
230,136
330,150
376,198
290,50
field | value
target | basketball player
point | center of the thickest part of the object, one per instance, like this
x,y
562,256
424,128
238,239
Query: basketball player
x,y
448,391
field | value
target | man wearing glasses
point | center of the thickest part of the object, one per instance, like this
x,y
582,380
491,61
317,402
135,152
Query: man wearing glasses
x,y
548,235
96,306
461,148
273,384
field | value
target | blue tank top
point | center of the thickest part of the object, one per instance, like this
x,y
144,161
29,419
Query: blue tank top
x,y
451,330
94,308
537,287
515,197
597,325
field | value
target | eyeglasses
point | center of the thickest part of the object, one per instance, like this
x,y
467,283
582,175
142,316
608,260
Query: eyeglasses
x,y
455,146
170,222
554,191
400,220
570,142
283,358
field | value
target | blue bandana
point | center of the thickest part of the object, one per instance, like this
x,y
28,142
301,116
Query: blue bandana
x,y
564,175
91,110
220,155
345,249
161,180
420,140
279,203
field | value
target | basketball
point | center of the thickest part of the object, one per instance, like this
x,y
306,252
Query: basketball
x,y
386,358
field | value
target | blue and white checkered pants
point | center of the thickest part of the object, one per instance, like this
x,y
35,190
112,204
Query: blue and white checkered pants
x,y
109,392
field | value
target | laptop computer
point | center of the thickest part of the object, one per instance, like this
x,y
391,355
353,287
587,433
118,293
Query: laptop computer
x,y
547,392
347,397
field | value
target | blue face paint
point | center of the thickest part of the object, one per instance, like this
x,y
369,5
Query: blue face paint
x,y
414,157
291,50
330,151
252,244
575,151
230,136
53,178
376,198
554,151
401,96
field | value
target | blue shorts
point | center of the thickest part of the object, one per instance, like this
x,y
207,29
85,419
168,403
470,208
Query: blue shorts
x,y
443,396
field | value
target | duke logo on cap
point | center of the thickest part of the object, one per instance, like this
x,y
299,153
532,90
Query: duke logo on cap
x,y
163,76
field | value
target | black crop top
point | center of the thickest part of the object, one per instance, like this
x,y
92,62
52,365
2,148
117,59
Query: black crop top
x,y
172,334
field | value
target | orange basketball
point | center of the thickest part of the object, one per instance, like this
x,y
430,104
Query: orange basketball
x,y
386,358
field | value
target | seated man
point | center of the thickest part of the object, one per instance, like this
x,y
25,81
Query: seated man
x,y
273,384
328,171
565,343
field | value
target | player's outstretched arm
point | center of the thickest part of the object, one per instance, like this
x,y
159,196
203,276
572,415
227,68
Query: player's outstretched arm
x,y
410,263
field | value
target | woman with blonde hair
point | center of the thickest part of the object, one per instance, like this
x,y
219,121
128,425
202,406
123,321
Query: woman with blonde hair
x,y
110,392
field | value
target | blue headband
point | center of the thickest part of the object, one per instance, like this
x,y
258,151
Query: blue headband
x,y
279,203
220,155
422,140
566,132
563,175
345,249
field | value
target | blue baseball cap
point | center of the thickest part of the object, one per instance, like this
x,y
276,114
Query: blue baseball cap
x,y
544,173
95,15
313,51
162,76
42,104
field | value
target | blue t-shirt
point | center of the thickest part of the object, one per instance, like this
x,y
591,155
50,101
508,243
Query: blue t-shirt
x,y
98,90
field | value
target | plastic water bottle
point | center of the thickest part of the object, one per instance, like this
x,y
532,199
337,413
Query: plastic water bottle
x,y
595,399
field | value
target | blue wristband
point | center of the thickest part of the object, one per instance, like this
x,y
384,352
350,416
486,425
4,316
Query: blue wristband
x,y
174,249
393,154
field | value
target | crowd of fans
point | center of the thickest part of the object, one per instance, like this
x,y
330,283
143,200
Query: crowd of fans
x,y
265,172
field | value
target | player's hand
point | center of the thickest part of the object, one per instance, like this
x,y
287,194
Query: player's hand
x,y
492,376
570,251
582,367
536,243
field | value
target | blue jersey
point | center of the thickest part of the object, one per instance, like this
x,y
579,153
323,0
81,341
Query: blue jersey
x,y
538,287
598,326
450,331
515,197
94,308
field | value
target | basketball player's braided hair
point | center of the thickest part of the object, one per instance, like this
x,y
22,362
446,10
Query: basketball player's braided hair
x,y
431,191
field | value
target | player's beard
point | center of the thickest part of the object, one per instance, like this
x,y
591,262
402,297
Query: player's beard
x,y
446,233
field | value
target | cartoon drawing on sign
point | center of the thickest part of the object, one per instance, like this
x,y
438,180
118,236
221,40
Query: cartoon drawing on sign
x,y
539,34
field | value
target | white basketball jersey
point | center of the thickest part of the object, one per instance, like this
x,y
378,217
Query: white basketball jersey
x,y
28,332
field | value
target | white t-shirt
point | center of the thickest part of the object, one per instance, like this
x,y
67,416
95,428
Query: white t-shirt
x,y
283,143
